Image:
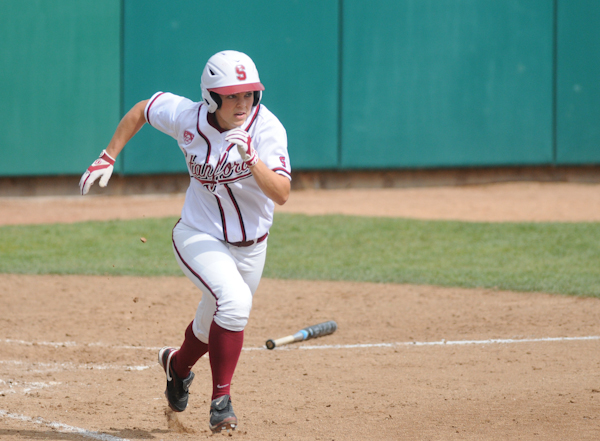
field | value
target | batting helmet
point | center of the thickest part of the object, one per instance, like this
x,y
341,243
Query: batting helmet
x,y
226,73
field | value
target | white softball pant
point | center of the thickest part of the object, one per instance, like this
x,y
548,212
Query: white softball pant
x,y
227,276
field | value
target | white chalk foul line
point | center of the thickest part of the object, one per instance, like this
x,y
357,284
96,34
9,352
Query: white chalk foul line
x,y
72,344
307,347
49,367
452,343
61,427
24,387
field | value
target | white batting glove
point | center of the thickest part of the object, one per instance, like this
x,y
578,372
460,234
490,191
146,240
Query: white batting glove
x,y
101,168
243,141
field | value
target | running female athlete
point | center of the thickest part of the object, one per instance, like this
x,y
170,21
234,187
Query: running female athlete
x,y
236,154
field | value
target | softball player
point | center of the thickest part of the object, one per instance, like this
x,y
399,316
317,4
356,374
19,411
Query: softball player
x,y
236,153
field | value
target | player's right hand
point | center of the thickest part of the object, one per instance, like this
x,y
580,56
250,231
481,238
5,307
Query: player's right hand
x,y
101,168
243,142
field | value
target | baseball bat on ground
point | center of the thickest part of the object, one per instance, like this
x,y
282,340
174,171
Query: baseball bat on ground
x,y
313,331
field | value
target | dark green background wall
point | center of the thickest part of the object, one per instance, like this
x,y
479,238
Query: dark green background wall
x,y
60,82
578,82
295,49
383,84
447,83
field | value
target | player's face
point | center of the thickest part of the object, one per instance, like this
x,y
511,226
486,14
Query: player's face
x,y
234,109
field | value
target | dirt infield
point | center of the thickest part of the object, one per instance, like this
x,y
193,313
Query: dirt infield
x,y
78,354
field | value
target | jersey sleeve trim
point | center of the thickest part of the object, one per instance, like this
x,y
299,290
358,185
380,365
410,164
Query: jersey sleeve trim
x,y
283,171
150,103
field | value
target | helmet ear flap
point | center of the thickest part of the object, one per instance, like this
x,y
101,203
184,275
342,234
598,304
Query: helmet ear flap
x,y
216,98
211,104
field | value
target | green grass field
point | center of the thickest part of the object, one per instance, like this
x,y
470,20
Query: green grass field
x,y
550,257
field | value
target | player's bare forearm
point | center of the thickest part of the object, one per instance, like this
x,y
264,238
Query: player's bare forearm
x,y
275,186
131,123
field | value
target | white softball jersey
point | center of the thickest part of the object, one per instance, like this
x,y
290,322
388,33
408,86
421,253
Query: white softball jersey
x,y
223,198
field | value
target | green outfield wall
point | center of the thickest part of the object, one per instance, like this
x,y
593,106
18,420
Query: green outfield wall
x,y
447,83
578,82
293,43
60,82
384,84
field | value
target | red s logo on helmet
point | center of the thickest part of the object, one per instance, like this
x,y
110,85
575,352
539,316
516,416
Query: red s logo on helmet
x,y
241,72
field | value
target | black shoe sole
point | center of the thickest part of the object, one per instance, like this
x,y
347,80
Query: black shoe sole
x,y
224,426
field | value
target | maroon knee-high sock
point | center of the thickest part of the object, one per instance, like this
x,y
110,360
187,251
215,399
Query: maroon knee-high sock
x,y
190,352
224,351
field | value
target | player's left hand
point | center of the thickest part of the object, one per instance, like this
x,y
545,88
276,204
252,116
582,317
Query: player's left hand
x,y
243,141
101,168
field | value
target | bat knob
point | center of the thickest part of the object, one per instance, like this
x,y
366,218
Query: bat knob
x,y
270,344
